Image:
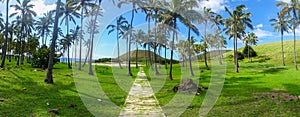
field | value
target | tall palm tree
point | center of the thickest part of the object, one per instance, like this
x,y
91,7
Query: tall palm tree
x,y
43,25
173,12
83,5
134,9
6,37
235,27
139,36
281,24
49,77
26,15
68,13
292,8
93,27
121,22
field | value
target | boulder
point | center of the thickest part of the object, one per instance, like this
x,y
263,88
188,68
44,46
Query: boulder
x,y
187,86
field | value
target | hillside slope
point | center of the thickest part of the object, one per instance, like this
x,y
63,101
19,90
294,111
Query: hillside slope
x,y
273,51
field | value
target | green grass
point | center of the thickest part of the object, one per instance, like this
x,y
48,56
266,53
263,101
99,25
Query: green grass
x,y
243,94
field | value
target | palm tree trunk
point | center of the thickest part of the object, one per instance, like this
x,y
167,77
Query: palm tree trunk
x,y
189,52
49,77
80,39
205,52
282,52
6,37
172,45
166,64
129,44
118,47
86,56
249,52
235,54
68,38
155,46
136,56
295,55
149,56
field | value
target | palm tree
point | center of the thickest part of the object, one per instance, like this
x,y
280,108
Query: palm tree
x,y
121,23
92,29
139,36
235,27
293,8
26,16
281,25
250,39
44,25
68,13
83,5
134,3
49,77
6,37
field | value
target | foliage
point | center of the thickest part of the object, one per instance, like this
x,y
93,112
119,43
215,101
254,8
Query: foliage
x,y
102,60
248,50
41,58
240,55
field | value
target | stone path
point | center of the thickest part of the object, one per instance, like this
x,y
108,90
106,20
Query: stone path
x,y
141,101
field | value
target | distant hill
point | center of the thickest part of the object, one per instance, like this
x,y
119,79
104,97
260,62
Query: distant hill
x,y
272,51
142,55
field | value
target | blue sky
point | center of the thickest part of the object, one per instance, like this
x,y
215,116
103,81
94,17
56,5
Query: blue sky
x,y
262,11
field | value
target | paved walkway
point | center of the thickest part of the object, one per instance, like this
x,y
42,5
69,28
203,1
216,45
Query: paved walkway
x,y
141,101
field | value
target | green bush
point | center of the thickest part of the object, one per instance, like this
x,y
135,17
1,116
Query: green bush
x,y
251,51
240,55
41,58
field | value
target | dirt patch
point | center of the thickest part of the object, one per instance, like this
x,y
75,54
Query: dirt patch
x,y
282,97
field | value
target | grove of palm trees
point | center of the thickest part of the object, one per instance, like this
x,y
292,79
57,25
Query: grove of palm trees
x,y
131,58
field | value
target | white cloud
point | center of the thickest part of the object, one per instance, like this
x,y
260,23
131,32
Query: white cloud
x,y
262,33
284,1
39,7
215,5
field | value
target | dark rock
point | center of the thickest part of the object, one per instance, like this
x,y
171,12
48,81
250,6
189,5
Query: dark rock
x,y
55,111
201,71
72,105
187,85
1,100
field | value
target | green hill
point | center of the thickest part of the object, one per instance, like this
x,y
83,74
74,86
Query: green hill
x,y
142,55
272,52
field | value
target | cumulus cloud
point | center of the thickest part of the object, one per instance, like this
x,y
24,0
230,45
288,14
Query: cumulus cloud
x,y
262,33
215,5
39,7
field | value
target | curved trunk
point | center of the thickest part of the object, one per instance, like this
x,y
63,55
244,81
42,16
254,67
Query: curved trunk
x,y
205,52
149,56
69,63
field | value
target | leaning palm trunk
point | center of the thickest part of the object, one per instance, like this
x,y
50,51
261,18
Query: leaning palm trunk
x,y
80,40
189,52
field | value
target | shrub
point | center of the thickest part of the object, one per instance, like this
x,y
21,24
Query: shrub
x,y
41,58
251,51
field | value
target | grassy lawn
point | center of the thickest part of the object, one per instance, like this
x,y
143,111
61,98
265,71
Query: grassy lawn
x,y
259,89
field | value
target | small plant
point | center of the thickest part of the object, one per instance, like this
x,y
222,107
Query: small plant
x,y
41,58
